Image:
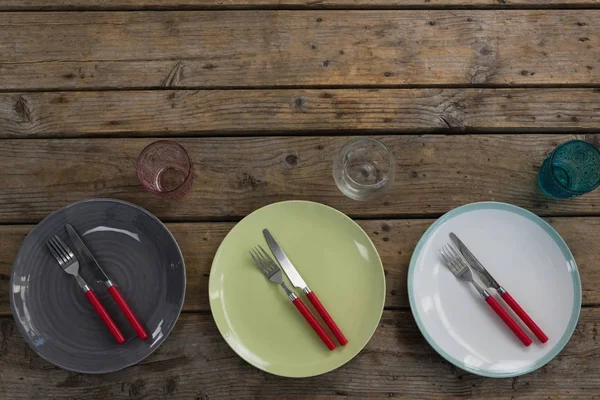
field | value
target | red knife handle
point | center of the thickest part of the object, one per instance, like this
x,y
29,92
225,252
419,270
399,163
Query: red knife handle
x,y
110,324
337,332
508,320
314,323
133,321
524,316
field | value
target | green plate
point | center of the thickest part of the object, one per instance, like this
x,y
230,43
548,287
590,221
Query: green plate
x,y
337,260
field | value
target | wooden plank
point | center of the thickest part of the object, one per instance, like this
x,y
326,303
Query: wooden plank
x,y
195,363
258,4
279,48
395,241
132,113
235,176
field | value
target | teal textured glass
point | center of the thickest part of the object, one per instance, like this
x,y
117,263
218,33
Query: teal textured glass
x,y
572,169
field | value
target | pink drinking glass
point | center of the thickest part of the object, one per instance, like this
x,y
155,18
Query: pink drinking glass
x,y
165,169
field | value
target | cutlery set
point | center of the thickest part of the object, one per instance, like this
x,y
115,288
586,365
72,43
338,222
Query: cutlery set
x,y
70,264
272,272
328,268
457,257
263,261
462,263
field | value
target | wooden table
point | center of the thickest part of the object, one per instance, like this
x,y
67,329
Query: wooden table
x,y
470,95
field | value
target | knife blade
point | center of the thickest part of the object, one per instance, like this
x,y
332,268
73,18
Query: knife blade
x,y
486,277
97,271
285,262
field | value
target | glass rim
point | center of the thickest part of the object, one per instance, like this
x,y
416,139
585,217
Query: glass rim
x,y
143,181
390,160
557,182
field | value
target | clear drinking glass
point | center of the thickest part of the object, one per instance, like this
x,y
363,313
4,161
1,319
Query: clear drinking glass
x,y
363,169
165,169
572,169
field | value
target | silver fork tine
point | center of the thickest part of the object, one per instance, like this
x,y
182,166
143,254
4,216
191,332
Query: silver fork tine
x,y
65,248
259,261
256,261
457,257
252,255
54,253
454,263
449,252
263,260
446,256
254,258
270,263
62,247
453,253
443,253
264,252
58,250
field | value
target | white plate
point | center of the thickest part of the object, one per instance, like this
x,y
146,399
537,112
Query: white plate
x,y
527,257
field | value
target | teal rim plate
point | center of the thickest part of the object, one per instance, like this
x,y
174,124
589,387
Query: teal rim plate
x,y
527,257
337,260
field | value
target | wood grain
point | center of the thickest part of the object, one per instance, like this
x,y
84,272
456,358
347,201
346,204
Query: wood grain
x,y
53,50
196,363
235,176
262,4
251,112
395,241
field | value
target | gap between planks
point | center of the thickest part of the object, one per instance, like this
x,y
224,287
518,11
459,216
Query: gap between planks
x,y
303,87
387,308
311,6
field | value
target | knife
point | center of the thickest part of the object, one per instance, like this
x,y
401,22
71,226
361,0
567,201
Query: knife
x,y
100,276
298,282
489,281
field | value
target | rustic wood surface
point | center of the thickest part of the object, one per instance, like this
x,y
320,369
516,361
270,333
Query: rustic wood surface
x,y
267,4
235,176
252,112
395,240
55,50
470,96
195,363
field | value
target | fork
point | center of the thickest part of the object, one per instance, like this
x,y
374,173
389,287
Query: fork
x,y
68,262
456,263
272,272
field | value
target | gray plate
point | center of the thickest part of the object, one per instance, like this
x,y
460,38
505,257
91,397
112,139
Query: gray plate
x,y
136,251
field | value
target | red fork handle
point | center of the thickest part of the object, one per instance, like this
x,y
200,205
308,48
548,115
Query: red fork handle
x,y
314,323
133,321
524,317
337,332
508,320
110,324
